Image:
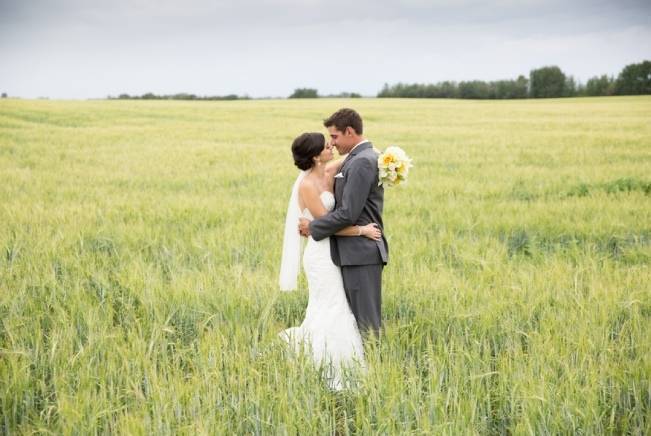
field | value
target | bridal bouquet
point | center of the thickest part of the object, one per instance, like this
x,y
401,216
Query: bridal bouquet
x,y
394,166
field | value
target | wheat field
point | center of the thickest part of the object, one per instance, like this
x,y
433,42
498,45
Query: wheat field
x,y
140,245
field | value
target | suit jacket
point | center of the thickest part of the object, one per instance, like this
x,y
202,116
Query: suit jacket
x,y
358,201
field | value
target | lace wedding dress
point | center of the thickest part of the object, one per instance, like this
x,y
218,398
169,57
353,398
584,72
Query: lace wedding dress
x,y
329,330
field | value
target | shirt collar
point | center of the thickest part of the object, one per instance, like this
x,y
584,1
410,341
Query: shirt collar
x,y
359,143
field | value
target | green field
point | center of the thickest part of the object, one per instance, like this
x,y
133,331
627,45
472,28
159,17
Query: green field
x,y
140,245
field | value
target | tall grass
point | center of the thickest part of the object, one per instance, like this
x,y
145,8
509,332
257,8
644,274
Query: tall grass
x,y
140,244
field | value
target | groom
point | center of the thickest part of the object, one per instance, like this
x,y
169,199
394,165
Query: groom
x,y
358,201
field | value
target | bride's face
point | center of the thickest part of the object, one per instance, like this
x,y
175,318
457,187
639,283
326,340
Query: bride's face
x,y
327,154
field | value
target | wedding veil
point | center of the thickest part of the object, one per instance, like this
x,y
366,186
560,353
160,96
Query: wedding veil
x,y
290,263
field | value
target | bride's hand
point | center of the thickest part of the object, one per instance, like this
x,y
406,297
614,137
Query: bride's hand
x,y
371,231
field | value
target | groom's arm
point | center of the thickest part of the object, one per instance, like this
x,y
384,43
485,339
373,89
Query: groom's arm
x,y
361,176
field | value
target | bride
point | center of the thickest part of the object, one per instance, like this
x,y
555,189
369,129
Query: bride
x,y
329,330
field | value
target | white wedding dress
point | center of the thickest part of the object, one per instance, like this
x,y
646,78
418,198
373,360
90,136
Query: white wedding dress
x,y
329,330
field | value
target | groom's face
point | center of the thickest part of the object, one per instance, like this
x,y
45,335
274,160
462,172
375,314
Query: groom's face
x,y
343,141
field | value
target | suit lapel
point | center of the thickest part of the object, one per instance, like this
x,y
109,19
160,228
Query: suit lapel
x,y
361,147
339,183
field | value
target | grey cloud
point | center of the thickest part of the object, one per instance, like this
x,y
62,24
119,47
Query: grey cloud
x,y
78,48
271,13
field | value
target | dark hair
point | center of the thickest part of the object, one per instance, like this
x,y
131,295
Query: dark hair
x,y
306,147
345,118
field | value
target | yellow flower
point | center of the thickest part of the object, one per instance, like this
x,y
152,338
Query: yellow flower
x,y
388,159
393,166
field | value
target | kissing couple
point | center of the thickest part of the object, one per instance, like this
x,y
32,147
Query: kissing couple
x,y
337,205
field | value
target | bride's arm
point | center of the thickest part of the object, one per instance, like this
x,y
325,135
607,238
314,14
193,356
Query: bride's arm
x,y
371,231
331,169
310,196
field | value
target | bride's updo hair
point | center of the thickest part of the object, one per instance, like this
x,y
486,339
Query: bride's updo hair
x,y
306,147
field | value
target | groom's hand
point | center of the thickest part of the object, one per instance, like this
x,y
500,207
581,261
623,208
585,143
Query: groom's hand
x,y
304,227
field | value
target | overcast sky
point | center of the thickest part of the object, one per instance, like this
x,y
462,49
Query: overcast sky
x,y
92,49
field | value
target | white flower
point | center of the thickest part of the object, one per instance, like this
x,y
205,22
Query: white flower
x,y
393,166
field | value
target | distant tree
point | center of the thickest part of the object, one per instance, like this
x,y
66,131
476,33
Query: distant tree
x,y
547,82
304,93
570,87
503,89
415,90
543,82
344,95
181,96
521,87
635,79
447,89
348,95
411,91
602,85
429,91
4,95
475,90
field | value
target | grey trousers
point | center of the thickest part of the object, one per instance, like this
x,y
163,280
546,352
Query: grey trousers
x,y
363,286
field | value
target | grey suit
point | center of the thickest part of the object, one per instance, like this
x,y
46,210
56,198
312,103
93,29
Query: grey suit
x,y
358,201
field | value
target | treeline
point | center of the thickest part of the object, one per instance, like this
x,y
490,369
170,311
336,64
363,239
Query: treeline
x,y
545,82
298,93
313,93
180,96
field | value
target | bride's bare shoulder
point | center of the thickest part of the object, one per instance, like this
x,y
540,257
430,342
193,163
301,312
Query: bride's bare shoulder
x,y
308,186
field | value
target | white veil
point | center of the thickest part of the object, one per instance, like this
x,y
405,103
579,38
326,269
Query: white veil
x,y
290,263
